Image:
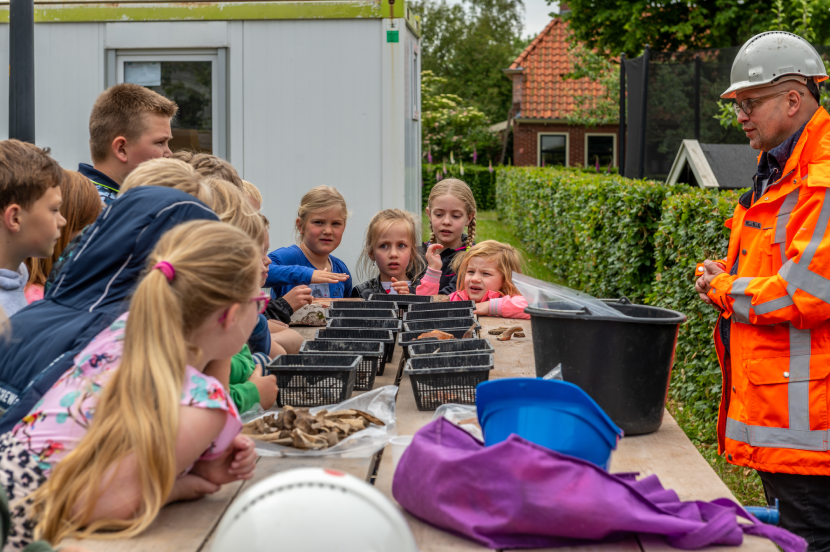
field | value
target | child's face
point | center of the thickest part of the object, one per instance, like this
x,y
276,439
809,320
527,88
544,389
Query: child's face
x,y
392,252
40,225
152,144
482,275
448,217
323,230
266,261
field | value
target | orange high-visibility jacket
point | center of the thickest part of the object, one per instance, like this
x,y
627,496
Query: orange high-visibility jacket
x,y
774,407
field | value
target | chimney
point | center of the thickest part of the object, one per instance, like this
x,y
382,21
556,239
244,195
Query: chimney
x,y
564,8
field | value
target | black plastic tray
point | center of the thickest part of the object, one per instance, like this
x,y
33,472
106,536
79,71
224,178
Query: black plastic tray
x,y
447,323
441,380
371,351
362,313
434,314
441,305
352,305
407,339
451,347
314,380
403,301
352,334
365,323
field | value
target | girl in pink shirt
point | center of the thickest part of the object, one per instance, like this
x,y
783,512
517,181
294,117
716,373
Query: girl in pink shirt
x,y
485,275
142,419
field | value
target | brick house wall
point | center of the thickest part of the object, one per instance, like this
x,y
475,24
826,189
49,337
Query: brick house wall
x,y
526,147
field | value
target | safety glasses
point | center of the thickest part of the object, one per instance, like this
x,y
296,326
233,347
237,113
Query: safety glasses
x,y
749,104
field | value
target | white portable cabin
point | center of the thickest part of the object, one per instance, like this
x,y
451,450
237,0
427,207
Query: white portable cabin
x,y
294,94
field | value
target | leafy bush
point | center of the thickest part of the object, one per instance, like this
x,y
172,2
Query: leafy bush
x,y
611,236
482,181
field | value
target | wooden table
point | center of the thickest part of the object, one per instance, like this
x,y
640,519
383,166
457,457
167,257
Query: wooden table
x,y
668,453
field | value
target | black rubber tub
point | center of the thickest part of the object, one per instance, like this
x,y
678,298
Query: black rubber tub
x,y
623,363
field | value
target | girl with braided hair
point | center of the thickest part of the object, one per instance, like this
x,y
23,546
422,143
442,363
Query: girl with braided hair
x,y
450,208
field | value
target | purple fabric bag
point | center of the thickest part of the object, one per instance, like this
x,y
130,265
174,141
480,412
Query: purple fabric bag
x,y
517,494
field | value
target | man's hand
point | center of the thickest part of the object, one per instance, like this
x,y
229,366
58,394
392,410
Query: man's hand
x,y
267,387
401,288
298,297
704,283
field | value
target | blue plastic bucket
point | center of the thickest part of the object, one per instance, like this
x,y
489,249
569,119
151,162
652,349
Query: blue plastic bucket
x,y
555,414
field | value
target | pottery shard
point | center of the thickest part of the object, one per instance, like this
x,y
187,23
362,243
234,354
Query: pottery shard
x,y
436,334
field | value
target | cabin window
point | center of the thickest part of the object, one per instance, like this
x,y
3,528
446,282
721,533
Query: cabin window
x,y
191,81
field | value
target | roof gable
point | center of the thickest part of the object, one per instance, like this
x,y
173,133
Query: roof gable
x,y
545,93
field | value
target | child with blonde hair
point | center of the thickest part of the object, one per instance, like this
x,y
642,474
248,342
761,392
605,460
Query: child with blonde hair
x,y
253,194
451,207
321,220
104,449
485,275
390,251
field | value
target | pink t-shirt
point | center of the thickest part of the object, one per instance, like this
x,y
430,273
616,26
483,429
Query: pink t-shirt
x,y
61,418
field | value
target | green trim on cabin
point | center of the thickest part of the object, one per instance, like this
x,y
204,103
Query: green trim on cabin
x,y
211,11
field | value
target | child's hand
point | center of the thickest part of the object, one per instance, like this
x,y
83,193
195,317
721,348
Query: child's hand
x,y
299,297
244,457
267,387
190,487
401,288
326,277
483,308
433,256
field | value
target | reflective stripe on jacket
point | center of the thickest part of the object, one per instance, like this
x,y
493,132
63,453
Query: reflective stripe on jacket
x,y
774,407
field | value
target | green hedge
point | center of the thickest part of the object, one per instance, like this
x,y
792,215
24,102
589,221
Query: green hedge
x,y
480,179
611,236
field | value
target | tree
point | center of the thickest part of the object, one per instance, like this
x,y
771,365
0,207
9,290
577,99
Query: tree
x,y
453,129
616,26
469,44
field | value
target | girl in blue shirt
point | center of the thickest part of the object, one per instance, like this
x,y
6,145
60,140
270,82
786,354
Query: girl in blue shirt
x,y
320,223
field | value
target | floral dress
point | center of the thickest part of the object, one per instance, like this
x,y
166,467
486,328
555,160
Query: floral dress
x,y
59,421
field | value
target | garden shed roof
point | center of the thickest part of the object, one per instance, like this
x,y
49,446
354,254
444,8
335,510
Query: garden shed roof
x,y
545,94
714,165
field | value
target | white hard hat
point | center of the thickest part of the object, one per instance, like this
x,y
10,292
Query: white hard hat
x,y
767,57
313,509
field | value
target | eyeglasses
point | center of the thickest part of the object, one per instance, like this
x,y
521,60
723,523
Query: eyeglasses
x,y
262,304
749,104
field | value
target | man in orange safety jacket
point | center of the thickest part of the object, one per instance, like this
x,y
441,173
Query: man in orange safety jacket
x,y
773,288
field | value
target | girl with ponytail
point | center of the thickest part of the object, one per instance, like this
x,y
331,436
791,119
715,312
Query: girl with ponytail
x,y
136,423
451,207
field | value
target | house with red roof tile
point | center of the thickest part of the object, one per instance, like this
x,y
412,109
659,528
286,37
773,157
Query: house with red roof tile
x,y
542,101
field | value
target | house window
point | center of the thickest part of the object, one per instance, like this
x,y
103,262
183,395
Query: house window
x,y
553,149
192,82
600,148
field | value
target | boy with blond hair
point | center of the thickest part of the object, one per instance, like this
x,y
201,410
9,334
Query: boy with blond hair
x,y
129,124
30,218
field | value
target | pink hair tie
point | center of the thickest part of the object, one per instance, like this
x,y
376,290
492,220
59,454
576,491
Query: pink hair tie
x,y
166,269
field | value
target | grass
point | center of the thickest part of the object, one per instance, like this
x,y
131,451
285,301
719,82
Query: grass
x,y
743,482
489,227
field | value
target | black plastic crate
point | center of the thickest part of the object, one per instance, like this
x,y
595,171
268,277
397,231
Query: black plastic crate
x,y
437,314
314,380
354,334
441,380
362,313
407,339
451,347
365,323
352,305
371,351
447,323
403,301
441,305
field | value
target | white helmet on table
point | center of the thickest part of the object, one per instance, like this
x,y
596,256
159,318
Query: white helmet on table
x,y
313,509
774,57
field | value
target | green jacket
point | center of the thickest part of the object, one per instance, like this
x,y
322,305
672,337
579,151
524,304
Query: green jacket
x,y
243,392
